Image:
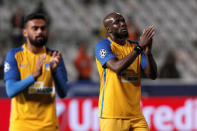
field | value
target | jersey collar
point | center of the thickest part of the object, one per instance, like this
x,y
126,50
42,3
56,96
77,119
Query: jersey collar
x,y
25,49
117,43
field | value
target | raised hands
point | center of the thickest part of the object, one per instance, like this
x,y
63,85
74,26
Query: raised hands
x,y
55,60
146,38
39,64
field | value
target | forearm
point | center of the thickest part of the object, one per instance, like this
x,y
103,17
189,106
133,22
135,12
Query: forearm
x,y
13,87
61,85
151,69
119,65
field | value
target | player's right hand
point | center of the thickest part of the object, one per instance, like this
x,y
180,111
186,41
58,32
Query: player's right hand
x,y
55,60
39,64
146,37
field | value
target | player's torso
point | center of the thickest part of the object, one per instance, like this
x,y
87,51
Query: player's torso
x,y
36,104
26,62
132,72
120,94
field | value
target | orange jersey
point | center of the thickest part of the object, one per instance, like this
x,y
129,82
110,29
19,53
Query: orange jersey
x,y
83,65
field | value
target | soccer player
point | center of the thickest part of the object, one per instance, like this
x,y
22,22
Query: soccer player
x,y
32,74
120,62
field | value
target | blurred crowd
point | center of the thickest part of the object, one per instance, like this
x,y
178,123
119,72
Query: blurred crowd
x,y
77,32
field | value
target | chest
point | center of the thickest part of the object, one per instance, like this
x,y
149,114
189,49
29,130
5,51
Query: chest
x,y
27,64
122,51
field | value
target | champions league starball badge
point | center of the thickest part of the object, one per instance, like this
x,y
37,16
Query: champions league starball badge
x,y
6,67
103,53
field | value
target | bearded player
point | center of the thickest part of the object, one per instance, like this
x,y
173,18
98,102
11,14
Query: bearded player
x,y
32,74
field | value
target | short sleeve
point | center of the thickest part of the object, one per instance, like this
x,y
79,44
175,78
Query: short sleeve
x,y
10,67
103,51
143,60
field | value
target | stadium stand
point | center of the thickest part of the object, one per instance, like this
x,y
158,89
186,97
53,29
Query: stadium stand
x,y
73,21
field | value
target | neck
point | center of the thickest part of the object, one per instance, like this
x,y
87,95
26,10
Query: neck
x,y
120,41
34,49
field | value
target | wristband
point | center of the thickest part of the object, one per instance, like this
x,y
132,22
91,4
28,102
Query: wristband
x,y
138,49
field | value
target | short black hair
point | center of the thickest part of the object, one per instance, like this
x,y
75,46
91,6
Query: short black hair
x,y
36,16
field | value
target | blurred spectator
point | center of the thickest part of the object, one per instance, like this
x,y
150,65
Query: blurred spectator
x,y
17,25
87,2
2,66
133,29
194,43
102,32
1,2
102,2
1,71
83,63
42,10
169,69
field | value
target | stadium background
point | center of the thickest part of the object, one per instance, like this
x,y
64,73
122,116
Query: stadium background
x,y
168,104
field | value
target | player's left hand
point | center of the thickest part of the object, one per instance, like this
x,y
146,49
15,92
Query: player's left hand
x,y
148,48
55,60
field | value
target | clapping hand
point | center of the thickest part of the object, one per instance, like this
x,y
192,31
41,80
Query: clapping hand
x,y
146,38
39,64
55,60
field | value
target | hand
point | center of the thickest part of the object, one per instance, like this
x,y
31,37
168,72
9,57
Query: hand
x,y
39,64
146,37
55,60
148,48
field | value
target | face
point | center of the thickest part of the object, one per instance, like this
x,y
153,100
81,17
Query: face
x,y
117,26
36,32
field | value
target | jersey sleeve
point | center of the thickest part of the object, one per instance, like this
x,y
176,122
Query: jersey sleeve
x,y
103,52
61,70
14,87
143,56
143,60
60,79
10,67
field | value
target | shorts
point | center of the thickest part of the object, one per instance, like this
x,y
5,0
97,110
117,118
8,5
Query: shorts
x,y
138,124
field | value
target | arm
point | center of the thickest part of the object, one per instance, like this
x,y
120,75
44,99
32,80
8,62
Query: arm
x,y
13,87
151,69
119,65
60,79
13,83
59,74
60,85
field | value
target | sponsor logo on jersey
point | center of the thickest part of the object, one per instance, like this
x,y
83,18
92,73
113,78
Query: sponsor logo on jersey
x,y
38,88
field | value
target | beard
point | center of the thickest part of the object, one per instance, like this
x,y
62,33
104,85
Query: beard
x,y
38,43
122,35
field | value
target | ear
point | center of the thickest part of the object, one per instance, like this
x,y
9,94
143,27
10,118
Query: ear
x,y
108,29
25,32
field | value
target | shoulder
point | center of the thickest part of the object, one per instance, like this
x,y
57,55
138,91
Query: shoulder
x,y
103,43
11,53
50,51
133,42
